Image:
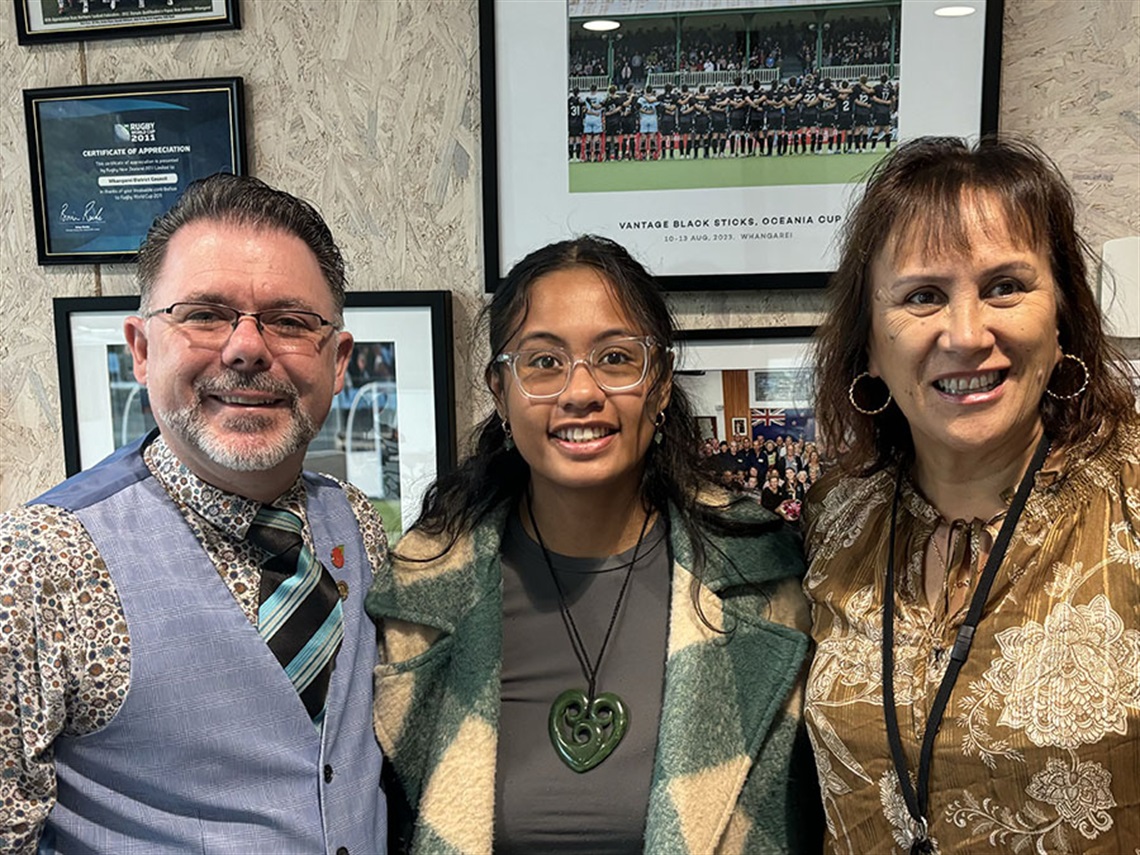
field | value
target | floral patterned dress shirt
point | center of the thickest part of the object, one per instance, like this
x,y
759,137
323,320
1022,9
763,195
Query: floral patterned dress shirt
x,y
1039,748
65,657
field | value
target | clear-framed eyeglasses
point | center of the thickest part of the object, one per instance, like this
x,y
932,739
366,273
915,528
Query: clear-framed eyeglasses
x,y
211,324
617,365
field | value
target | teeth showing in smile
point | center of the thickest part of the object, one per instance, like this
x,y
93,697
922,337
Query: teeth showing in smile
x,y
965,385
582,434
244,402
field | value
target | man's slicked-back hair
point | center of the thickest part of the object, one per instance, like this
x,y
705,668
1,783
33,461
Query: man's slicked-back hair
x,y
241,200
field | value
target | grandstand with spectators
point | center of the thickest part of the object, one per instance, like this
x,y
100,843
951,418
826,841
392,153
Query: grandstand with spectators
x,y
796,70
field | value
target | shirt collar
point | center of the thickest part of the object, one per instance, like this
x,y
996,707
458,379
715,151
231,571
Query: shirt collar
x,y
1058,462
226,511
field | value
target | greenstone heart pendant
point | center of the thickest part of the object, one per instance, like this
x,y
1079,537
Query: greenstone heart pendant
x,y
586,732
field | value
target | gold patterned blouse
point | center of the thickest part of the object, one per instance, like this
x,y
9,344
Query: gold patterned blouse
x,y
1039,749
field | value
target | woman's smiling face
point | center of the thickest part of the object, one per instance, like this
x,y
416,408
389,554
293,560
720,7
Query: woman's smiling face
x,y
966,342
585,438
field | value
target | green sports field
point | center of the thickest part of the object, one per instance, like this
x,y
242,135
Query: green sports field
x,y
774,171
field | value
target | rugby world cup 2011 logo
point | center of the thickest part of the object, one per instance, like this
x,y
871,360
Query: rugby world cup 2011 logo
x,y
135,132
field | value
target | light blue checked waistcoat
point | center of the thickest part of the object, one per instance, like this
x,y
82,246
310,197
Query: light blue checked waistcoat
x,y
212,750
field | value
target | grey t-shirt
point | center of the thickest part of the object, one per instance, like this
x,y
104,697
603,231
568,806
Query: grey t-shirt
x,y
541,805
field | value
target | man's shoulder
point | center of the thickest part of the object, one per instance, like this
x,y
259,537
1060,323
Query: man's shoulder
x,y
368,518
22,520
323,481
38,540
362,506
112,474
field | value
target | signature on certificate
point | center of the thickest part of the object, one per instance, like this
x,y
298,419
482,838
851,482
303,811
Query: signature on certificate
x,y
92,213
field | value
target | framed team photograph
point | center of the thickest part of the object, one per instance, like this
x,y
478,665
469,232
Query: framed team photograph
x,y
721,142
390,430
106,160
80,20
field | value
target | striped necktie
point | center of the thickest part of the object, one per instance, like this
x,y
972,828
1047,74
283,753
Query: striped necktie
x,y
300,616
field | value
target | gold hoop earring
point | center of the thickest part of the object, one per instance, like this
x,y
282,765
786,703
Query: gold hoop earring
x,y
1084,383
851,396
658,423
508,437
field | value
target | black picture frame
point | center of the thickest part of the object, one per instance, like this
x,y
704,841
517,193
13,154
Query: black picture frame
x,y
743,238
406,390
48,21
779,365
106,160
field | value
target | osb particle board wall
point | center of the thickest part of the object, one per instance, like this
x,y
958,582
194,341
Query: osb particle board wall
x,y
369,108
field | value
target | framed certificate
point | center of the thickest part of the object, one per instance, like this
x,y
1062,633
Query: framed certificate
x,y
721,142
79,20
106,160
390,431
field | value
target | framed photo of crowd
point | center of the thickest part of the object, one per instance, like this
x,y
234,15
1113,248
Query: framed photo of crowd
x,y
747,384
720,143
79,20
390,431
751,391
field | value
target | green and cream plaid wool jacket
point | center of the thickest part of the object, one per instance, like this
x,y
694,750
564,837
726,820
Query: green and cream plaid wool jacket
x,y
730,774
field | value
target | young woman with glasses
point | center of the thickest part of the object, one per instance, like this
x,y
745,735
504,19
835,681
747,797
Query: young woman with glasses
x,y
586,645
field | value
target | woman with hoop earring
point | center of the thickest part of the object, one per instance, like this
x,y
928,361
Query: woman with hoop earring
x,y
586,644
974,557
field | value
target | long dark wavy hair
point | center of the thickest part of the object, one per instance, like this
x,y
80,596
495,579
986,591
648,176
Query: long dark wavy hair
x,y
915,196
493,474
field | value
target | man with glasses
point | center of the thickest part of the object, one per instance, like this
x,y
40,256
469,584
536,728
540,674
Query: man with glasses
x,y
185,662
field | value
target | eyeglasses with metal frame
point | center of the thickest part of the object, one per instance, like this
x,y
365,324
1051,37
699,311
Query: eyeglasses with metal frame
x,y
617,365
212,323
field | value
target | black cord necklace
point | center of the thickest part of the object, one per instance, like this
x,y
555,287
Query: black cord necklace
x,y
917,802
586,727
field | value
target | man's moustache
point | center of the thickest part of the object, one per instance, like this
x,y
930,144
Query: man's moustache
x,y
234,381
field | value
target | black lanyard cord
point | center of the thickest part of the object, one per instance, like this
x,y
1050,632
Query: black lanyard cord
x,y
916,803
